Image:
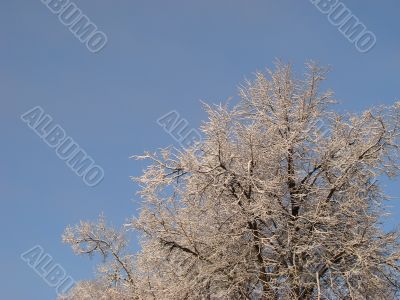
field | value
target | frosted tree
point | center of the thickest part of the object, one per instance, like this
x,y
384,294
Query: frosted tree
x,y
116,277
280,200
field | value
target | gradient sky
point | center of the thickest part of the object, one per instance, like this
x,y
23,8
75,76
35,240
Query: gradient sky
x,y
160,56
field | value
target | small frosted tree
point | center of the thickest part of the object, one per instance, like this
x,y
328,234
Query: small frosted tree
x,y
280,200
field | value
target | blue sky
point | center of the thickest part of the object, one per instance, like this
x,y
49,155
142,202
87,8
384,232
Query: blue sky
x,y
160,56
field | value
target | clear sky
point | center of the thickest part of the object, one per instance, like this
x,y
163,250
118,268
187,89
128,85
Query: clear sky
x,y
160,56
